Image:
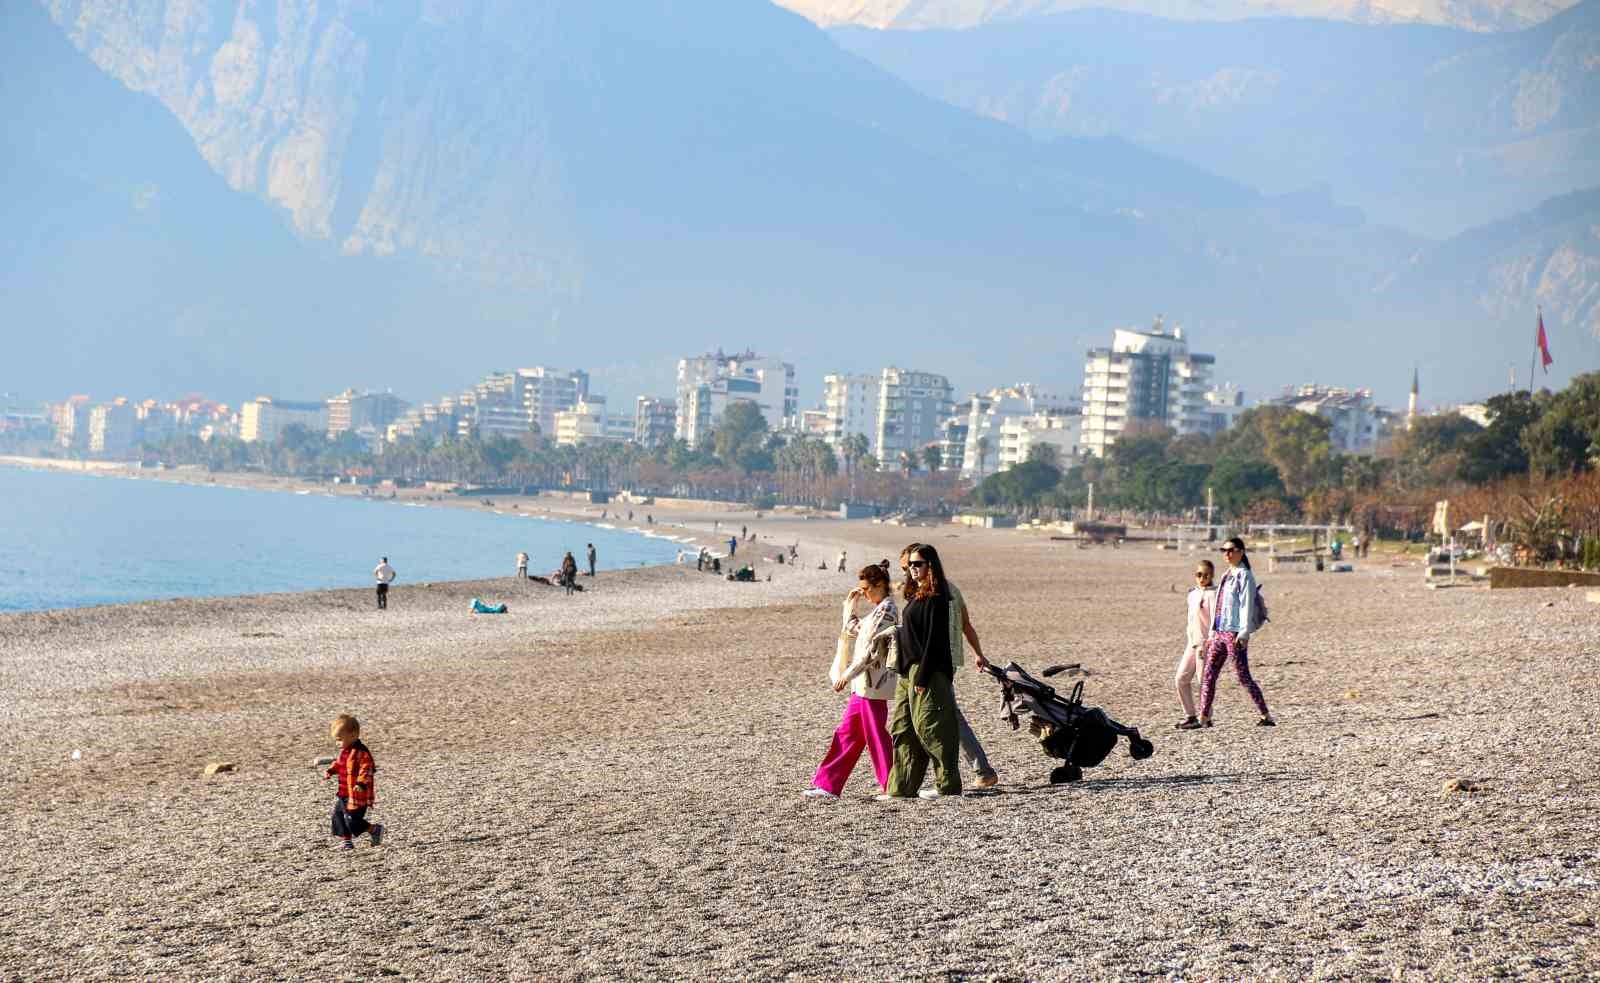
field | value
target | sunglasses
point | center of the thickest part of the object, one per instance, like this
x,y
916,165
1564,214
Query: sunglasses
x,y
917,564
1230,549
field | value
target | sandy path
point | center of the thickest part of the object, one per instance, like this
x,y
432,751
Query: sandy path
x,y
621,799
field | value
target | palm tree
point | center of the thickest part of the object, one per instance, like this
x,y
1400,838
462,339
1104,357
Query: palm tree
x,y
983,446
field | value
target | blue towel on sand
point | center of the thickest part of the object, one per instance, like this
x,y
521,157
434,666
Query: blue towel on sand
x,y
478,607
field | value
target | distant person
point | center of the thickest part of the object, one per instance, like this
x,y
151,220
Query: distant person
x,y
744,532
842,559
357,784
630,515
522,565
1230,633
590,555
700,560
384,574
569,573
1201,605
733,546
649,519
871,684
794,552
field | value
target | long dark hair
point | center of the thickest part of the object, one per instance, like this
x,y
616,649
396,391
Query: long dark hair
x,y
1244,558
935,567
908,587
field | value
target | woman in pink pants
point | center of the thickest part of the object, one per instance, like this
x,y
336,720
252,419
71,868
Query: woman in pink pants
x,y
871,682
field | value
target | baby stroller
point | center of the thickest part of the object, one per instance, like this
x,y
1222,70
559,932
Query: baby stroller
x,y
1079,736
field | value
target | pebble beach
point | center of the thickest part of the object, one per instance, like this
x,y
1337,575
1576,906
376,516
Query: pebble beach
x,y
608,785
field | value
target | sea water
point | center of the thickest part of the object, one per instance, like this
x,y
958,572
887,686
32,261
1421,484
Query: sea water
x,y
73,540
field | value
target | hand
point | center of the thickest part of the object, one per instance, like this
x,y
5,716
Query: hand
x,y
839,686
921,690
979,663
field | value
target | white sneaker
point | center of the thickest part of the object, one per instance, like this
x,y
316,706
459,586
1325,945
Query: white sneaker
x,y
818,793
883,797
930,793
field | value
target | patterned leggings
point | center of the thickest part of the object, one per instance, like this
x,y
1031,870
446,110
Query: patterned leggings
x,y
1223,645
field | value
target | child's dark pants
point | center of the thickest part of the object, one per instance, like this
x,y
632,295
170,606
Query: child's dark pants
x,y
349,822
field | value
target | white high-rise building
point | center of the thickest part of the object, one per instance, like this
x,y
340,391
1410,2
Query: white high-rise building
x,y
588,423
654,420
912,410
707,384
1146,378
1224,404
851,405
265,418
1019,435
543,392
111,428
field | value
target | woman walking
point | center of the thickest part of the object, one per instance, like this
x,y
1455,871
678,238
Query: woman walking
x,y
923,723
1202,607
871,683
569,573
1230,638
960,629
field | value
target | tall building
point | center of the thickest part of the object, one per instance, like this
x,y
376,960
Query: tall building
x,y
654,420
588,423
851,405
708,383
111,428
544,392
912,409
71,421
1355,422
264,418
353,411
1146,378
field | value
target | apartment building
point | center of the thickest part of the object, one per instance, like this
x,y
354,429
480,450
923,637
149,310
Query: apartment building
x,y
654,421
1355,422
850,404
1019,435
985,414
544,392
265,418
588,423
912,409
363,412
1146,378
708,383
111,428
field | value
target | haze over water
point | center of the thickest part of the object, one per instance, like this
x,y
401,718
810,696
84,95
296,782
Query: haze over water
x,y
75,540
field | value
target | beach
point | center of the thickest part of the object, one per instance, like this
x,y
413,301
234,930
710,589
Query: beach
x,y
608,785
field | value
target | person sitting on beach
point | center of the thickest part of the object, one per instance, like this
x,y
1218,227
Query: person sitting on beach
x,y
871,683
522,565
357,783
1201,604
569,572
384,574
961,629
924,721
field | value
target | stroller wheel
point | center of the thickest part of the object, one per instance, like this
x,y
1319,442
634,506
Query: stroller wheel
x,y
1065,774
1140,748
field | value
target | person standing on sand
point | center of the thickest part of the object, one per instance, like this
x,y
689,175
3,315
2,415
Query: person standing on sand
x,y
923,723
569,573
1201,604
589,553
733,547
841,561
522,565
1230,635
961,629
871,683
384,574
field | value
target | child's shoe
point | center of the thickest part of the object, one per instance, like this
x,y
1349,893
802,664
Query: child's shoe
x,y
346,845
377,834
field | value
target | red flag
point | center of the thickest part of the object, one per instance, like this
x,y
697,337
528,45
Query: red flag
x,y
1544,346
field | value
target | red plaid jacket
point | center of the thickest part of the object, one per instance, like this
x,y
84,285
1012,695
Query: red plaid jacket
x,y
355,769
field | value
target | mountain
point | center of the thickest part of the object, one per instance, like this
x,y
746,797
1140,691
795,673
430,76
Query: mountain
x,y
1548,256
1476,15
411,194
1436,130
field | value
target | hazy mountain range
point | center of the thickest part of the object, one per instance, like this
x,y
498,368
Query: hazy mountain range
x,y
1477,15
293,196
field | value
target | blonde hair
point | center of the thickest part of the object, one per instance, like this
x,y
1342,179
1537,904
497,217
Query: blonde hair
x,y
344,724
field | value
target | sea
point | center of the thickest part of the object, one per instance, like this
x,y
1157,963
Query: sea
x,y
75,540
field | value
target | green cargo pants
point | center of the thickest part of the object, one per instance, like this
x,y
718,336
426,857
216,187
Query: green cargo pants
x,y
924,727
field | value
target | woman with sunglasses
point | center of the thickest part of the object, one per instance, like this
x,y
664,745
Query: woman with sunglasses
x,y
923,721
960,630
1230,636
1202,605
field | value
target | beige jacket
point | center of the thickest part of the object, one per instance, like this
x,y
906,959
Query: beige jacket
x,y
867,648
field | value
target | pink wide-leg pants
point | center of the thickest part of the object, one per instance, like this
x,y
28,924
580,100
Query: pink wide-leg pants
x,y
865,725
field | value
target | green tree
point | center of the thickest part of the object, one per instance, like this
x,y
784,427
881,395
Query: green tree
x,y
932,457
1497,451
741,438
1045,453
1237,484
1566,438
